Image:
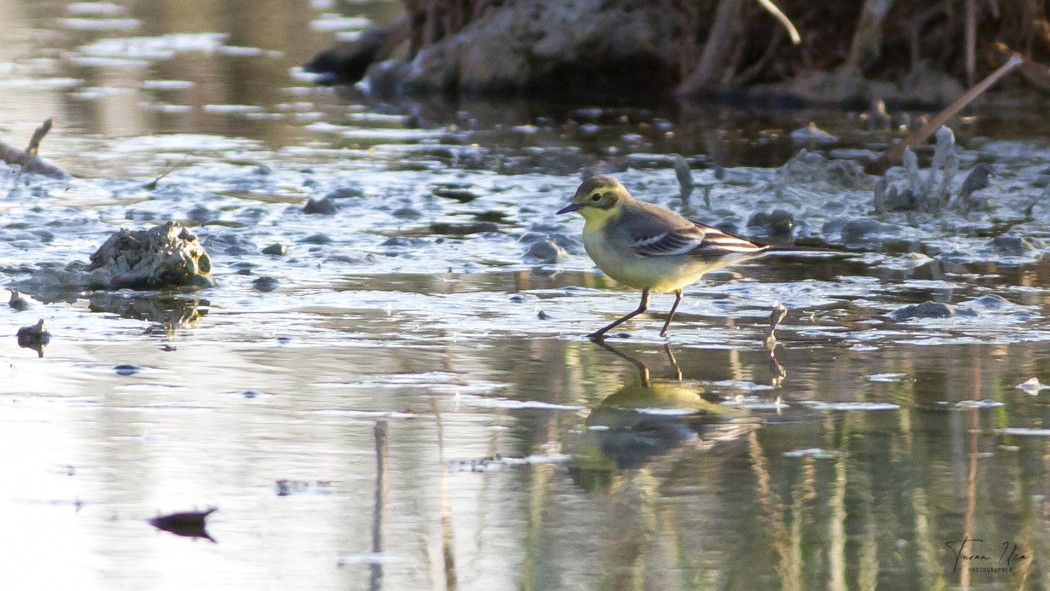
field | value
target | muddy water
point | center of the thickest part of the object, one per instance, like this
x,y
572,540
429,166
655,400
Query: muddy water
x,y
412,405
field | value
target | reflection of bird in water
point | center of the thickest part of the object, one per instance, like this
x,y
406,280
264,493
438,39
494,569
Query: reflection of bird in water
x,y
649,418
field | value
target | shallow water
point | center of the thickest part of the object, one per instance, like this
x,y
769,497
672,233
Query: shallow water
x,y
414,406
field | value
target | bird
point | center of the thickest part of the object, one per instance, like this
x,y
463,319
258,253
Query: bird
x,y
648,247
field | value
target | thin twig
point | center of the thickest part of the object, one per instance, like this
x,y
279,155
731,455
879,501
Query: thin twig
x,y
152,185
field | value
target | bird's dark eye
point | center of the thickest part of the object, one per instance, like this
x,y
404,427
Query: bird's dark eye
x,y
595,197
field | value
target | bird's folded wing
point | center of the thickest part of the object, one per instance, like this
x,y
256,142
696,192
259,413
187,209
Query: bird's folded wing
x,y
697,240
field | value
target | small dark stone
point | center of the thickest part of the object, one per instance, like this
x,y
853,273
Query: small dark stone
x,y
345,193
460,195
277,249
859,230
317,239
776,223
543,315
407,213
320,206
463,229
401,241
265,284
991,301
1015,245
546,251
923,310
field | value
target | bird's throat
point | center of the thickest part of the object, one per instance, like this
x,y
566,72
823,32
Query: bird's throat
x,y
595,218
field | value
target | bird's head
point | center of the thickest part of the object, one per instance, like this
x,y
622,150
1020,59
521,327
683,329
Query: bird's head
x,y
597,198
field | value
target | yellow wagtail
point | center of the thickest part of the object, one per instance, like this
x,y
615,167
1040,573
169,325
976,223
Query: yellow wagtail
x,y
648,247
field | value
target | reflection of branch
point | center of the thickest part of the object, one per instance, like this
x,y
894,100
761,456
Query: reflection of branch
x,y
449,560
772,511
378,510
837,522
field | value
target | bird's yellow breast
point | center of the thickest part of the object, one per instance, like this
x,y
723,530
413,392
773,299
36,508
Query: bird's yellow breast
x,y
660,274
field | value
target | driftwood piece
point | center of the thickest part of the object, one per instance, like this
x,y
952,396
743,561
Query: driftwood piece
x,y
29,162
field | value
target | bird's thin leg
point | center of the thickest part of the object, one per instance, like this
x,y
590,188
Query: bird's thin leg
x,y
677,300
642,307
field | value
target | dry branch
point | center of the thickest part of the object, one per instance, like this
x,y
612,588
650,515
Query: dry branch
x,y
29,162
38,136
893,155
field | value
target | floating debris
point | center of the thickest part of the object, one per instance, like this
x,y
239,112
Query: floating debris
x,y
34,337
18,301
190,524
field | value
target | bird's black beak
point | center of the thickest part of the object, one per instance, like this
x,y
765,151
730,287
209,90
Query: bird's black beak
x,y
570,208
